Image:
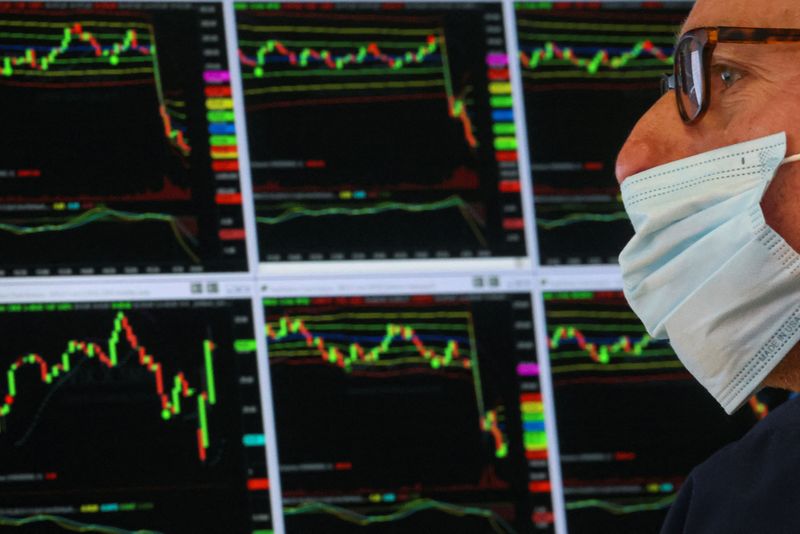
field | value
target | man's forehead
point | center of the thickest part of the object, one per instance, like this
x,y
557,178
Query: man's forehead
x,y
745,13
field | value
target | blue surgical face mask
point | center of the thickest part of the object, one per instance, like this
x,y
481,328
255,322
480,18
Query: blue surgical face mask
x,y
706,272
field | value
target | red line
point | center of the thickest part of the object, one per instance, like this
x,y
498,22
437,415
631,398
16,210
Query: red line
x,y
327,15
667,377
77,85
533,87
346,100
200,449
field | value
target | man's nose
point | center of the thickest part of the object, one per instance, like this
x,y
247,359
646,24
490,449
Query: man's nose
x,y
655,140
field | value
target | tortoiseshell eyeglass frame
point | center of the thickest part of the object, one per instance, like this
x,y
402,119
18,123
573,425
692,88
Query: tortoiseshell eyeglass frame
x,y
698,45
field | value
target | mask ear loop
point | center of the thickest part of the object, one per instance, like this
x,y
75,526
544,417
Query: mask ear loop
x,y
791,159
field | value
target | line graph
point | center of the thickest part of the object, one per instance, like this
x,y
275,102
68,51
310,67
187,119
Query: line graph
x,y
401,350
339,96
589,72
171,400
183,235
605,342
624,404
146,401
106,63
138,132
443,370
67,524
496,523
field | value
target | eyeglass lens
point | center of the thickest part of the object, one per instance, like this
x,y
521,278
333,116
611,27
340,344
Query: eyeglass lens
x,y
690,82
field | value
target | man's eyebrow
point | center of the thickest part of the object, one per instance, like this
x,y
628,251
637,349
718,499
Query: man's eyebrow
x,y
681,30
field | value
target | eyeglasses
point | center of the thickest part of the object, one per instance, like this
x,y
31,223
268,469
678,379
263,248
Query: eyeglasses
x,y
691,78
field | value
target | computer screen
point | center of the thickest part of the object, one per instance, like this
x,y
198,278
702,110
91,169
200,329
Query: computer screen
x,y
332,267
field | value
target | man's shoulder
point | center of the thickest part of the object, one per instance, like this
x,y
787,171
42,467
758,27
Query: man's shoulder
x,y
758,447
749,486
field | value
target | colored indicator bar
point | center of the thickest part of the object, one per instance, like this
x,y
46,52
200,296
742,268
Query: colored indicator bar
x,y
216,76
506,155
535,441
536,455
232,234
527,369
221,128
229,199
532,408
224,152
218,90
225,166
220,116
500,115
539,487
533,426
510,186
504,128
223,140
514,224
497,60
501,102
498,74
258,484
500,88
254,440
216,104
244,345
264,531
505,143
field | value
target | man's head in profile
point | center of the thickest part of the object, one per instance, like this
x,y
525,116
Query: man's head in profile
x,y
711,181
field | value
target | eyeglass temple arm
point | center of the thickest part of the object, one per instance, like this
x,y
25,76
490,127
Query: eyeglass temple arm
x,y
667,83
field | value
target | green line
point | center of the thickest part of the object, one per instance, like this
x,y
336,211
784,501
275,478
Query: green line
x,y
619,328
599,27
12,384
376,327
368,71
93,215
577,218
539,75
403,511
57,37
576,38
372,32
592,313
76,73
295,211
581,355
344,86
67,524
85,23
614,367
208,351
620,509
331,44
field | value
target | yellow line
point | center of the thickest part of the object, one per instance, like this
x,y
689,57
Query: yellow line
x,y
346,31
596,367
382,316
97,23
344,86
95,72
594,26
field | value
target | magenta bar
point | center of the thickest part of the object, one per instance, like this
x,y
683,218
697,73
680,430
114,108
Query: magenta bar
x,y
497,60
216,76
528,369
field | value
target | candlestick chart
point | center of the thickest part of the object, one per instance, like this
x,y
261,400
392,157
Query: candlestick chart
x,y
366,123
145,403
589,73
107,130
399,411
624,405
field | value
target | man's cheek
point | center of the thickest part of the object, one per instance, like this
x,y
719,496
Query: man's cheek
x,y
780,204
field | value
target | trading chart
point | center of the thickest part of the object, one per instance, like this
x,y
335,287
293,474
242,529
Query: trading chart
x,y
380,132
137,169
589,72
122,417
407,413
625,406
